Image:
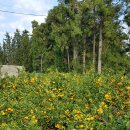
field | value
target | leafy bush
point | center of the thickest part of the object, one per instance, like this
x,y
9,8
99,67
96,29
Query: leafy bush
x,y
65,101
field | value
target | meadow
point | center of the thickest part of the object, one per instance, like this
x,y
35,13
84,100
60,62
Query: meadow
x,y
65,101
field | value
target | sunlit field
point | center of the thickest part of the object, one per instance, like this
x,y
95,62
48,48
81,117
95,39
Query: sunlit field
x,y
65,101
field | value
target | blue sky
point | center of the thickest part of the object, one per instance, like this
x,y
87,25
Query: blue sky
x,y
9,22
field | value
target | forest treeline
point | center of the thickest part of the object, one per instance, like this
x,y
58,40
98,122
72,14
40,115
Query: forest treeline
x,y
76,36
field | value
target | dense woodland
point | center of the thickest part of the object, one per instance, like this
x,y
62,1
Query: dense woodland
x,y
76,36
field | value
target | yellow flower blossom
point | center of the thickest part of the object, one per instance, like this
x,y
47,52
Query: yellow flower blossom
x,y
119,84
103,105
90,118
128,87
26,117
107,96
81,126
32,80
3,113
9,109
31,111
78,117
113,80
86,106
33,117
61,95
100,110
59,126
14,86
34,121
44,112
99,81
67,112
76,111
91,128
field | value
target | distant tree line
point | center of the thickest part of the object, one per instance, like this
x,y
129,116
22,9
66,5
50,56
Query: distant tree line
x,y
76,36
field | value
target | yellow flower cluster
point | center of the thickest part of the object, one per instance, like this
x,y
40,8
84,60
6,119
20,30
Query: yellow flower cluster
x,y
26,118
91,128
61,95
33,79
100,110
119,83
78,115
67,112
128,87
34,120
3,113
99,81
59,126
104,105
90,118
9,110
14,86
81,126
108,96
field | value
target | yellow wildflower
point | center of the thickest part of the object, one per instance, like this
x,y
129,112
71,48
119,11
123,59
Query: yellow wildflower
x,y
61,95
31,111
3,113
86,106
33,117
34,121
9,109
81,126
100,110
128,87
32,80
58,126
91,128
76,111
122,77
99,81
108,96
105,106
120,83
113,80
26,117
67,112
102,103
78,117
89,118
14,86
44,112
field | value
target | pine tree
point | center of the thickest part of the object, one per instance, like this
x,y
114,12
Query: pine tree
x,y
25,50
16,41
7,49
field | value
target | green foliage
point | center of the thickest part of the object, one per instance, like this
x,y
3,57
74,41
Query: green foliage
x,y
65,101
69,38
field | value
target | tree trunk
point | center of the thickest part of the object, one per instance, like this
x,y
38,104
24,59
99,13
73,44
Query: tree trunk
x,y
41,62
94,42
94,49
68,58
84,53
100,51
75,56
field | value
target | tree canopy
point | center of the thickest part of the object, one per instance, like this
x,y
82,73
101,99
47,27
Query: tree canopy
x,y
78,35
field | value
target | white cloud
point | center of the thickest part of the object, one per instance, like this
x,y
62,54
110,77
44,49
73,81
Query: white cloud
x,y
39,6
9,22
1,17
2,25
24,22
